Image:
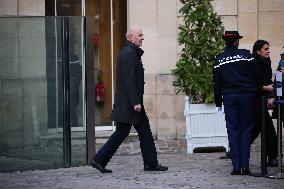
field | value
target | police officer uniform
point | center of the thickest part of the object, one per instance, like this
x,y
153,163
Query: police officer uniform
x,y
235,86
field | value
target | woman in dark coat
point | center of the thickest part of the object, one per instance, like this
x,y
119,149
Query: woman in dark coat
x,y
261,54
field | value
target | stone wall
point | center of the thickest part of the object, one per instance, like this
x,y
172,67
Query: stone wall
x,y
158,19
271,26
159,24
164,107
22,7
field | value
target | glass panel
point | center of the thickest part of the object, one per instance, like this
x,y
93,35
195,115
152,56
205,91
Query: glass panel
x,y
31,94
25,139
78,135
76,59
77,62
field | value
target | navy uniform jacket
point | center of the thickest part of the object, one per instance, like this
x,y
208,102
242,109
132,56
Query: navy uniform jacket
x,y
234,71
129,86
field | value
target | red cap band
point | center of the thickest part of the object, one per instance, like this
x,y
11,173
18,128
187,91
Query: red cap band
x,y
231,35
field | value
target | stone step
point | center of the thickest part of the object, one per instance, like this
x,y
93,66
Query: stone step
x,y
103,136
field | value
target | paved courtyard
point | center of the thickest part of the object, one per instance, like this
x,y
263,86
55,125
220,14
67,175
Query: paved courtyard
x,y
200,170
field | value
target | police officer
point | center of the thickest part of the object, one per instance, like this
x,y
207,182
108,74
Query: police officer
x,y
235,85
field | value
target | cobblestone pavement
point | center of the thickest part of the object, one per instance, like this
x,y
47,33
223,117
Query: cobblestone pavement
x,y
200,170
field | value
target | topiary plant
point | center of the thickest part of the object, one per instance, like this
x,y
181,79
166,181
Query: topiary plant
x,y
200,35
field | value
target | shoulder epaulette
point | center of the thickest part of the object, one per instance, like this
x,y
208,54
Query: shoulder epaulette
x,y
246,50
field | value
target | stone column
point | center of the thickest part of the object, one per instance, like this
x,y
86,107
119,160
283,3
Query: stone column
x,y
31,7
247,22
22,7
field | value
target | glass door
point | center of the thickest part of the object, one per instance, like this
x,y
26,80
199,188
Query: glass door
x,y
76,27
76,104
66,73
41,88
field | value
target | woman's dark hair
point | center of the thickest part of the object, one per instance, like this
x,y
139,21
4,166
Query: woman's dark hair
x,y
258,45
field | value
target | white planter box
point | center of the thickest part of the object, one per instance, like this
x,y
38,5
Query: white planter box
x,y
204,127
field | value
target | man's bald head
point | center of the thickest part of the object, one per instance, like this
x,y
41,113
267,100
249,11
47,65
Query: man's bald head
x,y
135,36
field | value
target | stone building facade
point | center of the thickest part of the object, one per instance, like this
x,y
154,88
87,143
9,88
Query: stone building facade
x,y
159,19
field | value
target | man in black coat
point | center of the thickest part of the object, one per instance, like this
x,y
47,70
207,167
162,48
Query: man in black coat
x,y
128,108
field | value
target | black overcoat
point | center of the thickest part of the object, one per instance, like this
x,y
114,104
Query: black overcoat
x,y
129,86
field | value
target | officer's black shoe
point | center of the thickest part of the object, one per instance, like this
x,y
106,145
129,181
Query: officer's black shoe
x,y
99,167
272,162
234,172
227,156
246,171
155,168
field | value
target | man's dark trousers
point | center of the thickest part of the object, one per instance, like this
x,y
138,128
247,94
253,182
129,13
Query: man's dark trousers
x,y
239,122
147,144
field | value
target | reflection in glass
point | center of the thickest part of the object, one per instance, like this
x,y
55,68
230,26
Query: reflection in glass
x,y
31,93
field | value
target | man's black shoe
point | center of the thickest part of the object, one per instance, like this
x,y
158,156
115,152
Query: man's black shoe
x,y
272,162
155,168
246,171
99,167
236,172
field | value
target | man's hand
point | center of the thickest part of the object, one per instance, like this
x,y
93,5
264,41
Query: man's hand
x,y
219,110
270,104
137,108
268,88
282,70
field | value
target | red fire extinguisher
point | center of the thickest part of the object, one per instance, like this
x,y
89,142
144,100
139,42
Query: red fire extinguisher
x,y
96,40
100,89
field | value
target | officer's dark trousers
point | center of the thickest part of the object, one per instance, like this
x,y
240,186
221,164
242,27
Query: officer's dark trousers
x,y
147,144
239,122
271,137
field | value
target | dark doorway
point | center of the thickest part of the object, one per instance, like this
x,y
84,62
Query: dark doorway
x,y
100,10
